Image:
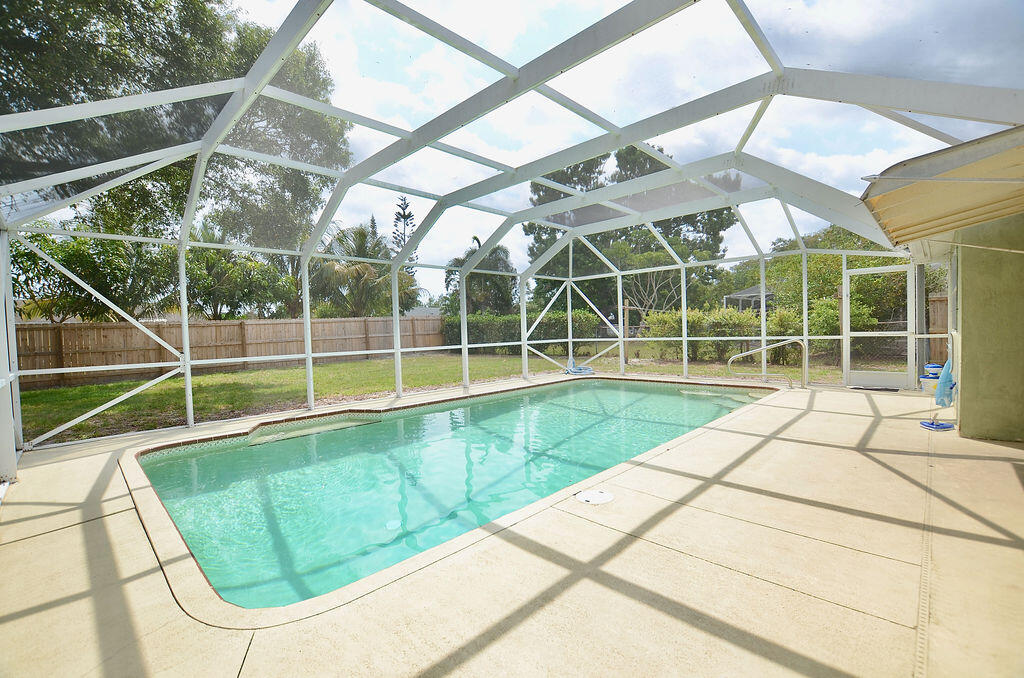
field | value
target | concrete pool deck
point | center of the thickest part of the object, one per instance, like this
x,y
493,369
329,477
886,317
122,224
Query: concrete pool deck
x,y
822,533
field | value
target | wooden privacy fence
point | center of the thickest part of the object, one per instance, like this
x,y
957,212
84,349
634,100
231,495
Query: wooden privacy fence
x,y
45,346
938,323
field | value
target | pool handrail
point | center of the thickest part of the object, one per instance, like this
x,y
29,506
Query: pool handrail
x,y
760,349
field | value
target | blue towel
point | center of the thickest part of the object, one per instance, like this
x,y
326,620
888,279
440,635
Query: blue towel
x,y
944,389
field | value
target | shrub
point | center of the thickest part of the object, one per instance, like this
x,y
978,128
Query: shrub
x,y
824,318
730,322
664,324
719,322
784,322
696,326
484,328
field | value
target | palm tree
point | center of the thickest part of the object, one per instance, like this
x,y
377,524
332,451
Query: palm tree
x,y
485,293
353,288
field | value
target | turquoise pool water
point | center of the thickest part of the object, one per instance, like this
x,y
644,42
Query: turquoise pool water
x,y
278,522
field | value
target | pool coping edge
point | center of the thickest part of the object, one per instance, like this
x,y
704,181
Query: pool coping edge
x,y
195,595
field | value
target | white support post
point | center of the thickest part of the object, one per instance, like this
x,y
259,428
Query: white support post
x,y
764,324
307,334
845,324
757,35
622,330
8,444
684,329
396,331
807,343
568,307
464,328
186,340
12,337
522,327
912,326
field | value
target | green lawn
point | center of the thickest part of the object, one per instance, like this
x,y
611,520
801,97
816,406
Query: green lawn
x,y
223,395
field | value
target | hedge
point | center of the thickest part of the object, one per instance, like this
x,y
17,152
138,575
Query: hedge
x,y
484,328
719,322
823,319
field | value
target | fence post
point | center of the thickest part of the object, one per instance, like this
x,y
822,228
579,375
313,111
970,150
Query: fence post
x,y
58,341
244,342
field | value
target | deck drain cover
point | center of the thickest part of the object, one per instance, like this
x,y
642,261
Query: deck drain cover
x,y
594,496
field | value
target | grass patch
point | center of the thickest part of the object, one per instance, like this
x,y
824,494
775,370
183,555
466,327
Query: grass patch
x,y
224,395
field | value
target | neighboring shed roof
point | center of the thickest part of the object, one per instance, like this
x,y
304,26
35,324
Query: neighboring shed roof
x,y
753,292
960,186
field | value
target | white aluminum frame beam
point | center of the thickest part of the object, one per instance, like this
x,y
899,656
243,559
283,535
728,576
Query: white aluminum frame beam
x,y
282,161
752,125
91,290
666,177
596,38
722,101
333,111
181,150
792,224
474,51
690,207
915,125
92,109
17,219
753,29
300,20
996,105
815,197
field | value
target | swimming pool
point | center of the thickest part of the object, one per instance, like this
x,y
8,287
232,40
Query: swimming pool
x,y
277,517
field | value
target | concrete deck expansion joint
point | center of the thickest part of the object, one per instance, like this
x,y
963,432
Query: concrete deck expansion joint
x,y
813,532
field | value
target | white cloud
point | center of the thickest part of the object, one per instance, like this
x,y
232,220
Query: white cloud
x,y
389,70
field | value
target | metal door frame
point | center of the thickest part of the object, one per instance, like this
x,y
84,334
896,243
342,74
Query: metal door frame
x,y
906,379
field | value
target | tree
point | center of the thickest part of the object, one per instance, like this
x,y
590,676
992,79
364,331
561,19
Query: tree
x,y
403,228
485,293
267,205
357,288
60,53
226,283
694,237
139,277
44,292
885,295
583,176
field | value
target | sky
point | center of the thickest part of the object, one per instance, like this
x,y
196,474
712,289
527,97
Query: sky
x,y
390,71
